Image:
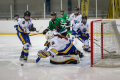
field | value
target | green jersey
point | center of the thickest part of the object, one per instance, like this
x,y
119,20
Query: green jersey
x,y
64,16
56,24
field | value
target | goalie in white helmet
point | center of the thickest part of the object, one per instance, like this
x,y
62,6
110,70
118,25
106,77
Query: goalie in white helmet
x,y
59,45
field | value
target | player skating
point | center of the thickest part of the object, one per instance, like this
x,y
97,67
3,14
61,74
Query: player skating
x,y
56,24
82,33
63,15
76,17
24,28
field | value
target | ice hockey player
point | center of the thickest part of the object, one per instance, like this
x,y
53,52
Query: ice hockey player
x,y
24,28
63,15
77,18
82,31
59,45
56,24
17,19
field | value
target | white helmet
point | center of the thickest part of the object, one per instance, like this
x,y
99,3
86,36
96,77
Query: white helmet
x,y
49,35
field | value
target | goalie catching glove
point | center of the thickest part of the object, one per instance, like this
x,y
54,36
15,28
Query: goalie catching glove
x,y
45,31
43,54
32,28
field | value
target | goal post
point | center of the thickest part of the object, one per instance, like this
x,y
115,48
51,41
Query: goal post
x,y
105,52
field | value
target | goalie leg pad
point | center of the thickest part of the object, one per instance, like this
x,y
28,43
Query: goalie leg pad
x,y
65,59
43,54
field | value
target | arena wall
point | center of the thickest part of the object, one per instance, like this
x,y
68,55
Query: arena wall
x,y
7,26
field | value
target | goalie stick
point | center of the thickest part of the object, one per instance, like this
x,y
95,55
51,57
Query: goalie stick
x,y
37,31
31,60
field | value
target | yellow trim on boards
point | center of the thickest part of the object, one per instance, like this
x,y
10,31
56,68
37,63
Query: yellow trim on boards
x,y
16,33
42,34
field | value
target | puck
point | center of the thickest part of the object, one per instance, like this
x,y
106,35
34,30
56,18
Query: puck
x,y
22,64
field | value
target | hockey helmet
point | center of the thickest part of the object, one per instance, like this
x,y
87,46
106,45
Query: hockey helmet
x,y
53,14
49,35
62,11
84,17
77,8
16,15
27,13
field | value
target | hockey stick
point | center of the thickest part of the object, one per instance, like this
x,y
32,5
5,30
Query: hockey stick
x,y
94,39
34,60
104,49
31,60
37,31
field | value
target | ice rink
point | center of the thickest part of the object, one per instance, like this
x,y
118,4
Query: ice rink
x,y
11,69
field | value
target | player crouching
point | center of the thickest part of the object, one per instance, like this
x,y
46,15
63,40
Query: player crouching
x,y
59,50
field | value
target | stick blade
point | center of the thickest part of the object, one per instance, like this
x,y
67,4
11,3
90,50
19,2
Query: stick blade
x,y
31,60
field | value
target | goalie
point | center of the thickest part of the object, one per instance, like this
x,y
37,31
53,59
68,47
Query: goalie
x,y
59,45
81,30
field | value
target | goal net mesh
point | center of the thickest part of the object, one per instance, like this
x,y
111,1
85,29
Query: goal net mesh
x,y
105,44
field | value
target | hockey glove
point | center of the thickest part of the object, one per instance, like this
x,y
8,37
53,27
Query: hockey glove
x,y
15,26
32,28
45,31
68,23
86,36
43,54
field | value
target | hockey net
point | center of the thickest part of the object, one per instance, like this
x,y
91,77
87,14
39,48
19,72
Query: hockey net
x,y
105,44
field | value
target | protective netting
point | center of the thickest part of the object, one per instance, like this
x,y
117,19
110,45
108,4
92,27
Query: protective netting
x,y
105,41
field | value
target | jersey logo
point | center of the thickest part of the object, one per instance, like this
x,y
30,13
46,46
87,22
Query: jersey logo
x,y
53,43
84,29
23,22
75,21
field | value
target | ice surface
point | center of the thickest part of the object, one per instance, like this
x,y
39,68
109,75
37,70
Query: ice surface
x,y
11,69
